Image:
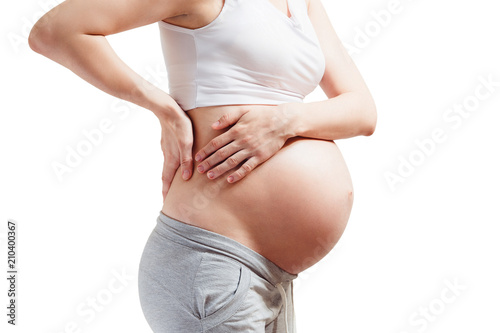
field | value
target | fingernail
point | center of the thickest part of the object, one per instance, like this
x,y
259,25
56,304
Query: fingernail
x,y
197,158
217,123
185,174
200,168
230,179
210,174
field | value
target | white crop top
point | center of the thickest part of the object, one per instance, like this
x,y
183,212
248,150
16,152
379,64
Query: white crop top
x,y
252,53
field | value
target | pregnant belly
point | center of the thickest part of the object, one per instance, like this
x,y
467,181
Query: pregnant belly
x,y
292,209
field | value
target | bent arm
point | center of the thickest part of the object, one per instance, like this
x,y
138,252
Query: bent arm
x,y
73,35
349,110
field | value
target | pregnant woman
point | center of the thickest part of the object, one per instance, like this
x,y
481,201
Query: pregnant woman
x,y
255,189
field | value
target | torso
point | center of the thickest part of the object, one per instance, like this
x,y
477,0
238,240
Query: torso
x,y
292,209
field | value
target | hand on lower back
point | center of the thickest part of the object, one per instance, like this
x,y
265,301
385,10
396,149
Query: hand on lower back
x,y
176,145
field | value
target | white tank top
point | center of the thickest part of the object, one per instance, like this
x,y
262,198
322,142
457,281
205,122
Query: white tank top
x,y
252,53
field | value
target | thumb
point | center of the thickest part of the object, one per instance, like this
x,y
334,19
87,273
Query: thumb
x,y
186,162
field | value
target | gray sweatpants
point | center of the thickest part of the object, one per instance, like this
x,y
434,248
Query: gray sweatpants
x,y
194,280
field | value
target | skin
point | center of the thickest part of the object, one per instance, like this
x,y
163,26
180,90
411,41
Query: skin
x,y
268,176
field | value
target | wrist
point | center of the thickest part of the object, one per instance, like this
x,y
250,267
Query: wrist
x,y
163,106
169,111
292,115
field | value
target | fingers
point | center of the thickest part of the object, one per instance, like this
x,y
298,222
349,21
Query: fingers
x,y
214,144
177,147
220,155
167,175
228,119
223,139
244,170
230,163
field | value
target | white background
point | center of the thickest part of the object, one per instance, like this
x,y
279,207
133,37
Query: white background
x,y
404,245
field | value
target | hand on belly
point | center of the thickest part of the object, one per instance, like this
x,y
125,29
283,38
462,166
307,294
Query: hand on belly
x,y
257,132
292,208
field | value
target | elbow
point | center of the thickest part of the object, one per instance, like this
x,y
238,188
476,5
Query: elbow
x,y
369,118
38,39
370,124
42,37
34,42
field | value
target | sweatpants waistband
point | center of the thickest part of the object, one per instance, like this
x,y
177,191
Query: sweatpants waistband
x,y
205,240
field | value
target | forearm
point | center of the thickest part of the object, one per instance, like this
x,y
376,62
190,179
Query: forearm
x,y
92,58
346,115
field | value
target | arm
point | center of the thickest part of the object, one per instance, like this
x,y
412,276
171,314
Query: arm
x,y
73,35
259,132
349,110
